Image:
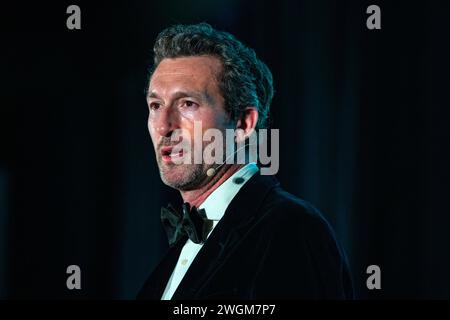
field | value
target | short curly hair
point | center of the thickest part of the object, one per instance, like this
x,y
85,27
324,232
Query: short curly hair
x,y
244,80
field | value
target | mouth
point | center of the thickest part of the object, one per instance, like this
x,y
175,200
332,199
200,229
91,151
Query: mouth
x,y
168,154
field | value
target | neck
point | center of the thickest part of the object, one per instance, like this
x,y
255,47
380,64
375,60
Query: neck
x,y
198,196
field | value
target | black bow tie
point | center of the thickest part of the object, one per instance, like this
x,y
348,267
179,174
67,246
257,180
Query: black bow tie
x,y
192,223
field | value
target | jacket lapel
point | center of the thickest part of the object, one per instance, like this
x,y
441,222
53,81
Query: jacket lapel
x,y
237,219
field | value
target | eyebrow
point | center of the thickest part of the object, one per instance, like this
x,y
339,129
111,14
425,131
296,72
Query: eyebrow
x,y
181,94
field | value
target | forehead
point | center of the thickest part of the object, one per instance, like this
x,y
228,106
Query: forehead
x,y
199,72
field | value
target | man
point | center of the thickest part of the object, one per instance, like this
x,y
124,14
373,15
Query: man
x,y
240,235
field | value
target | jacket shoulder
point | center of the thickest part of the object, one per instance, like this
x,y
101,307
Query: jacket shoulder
x,y
283,208
301,249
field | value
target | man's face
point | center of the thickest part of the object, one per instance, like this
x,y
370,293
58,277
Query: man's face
x,y
181,91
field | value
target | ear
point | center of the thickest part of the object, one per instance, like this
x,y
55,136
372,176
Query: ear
x,y
247,123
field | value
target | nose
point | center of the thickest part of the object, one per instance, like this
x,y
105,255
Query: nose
x,y
166,122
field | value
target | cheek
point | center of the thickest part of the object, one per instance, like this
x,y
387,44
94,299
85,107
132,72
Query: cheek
x,y
220,120
214,119
152,131
188,124
151,124
150,128
190,115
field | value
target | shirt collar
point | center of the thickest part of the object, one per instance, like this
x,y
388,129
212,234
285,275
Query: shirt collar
x,y
218,201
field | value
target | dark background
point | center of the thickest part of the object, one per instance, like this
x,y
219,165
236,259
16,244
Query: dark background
x,y
363,118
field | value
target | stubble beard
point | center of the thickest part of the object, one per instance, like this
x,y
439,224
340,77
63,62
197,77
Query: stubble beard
x,y
182,177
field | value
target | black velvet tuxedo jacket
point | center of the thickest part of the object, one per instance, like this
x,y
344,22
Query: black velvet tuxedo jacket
x,y
268,245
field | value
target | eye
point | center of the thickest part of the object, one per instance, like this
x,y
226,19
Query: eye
x,y
154,106
189,104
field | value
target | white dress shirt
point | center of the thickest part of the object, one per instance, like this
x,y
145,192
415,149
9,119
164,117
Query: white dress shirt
x,y
215,206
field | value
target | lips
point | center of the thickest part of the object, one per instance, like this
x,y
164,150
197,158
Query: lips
x,y
168,155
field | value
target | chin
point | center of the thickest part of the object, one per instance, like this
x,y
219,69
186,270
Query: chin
x,y
182,177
